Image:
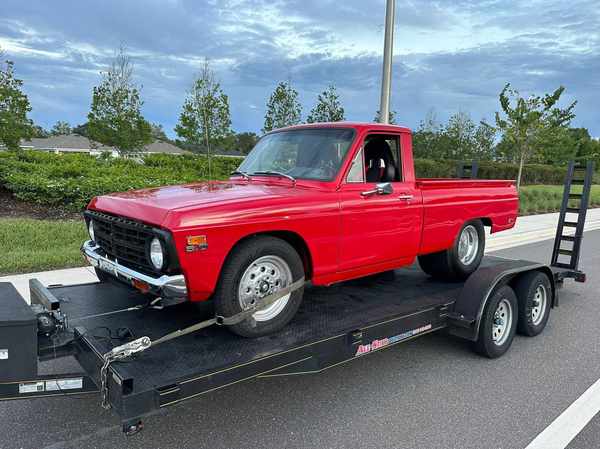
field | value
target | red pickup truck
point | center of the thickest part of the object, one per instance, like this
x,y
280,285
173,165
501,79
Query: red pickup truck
x,y
326,202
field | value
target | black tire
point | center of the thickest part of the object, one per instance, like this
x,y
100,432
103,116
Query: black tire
x,y
226,295
447,265
486,345
102,276
531,323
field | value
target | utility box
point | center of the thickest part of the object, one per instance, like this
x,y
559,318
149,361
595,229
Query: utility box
x,y
18,336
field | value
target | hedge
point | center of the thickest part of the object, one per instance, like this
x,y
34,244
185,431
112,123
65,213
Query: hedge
x,y
532,173
71,180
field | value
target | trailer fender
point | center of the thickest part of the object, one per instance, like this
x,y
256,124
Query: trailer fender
x,y
465,319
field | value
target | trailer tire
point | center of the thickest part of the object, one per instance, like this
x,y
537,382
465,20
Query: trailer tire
x,y
534,293
457,263
247,271
498,323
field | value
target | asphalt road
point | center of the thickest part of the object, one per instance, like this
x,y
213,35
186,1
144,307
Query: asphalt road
x,y
432,392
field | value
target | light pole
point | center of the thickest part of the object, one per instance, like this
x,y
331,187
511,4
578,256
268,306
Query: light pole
x,y
388,50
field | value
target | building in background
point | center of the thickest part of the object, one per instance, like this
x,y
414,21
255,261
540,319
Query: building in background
x,y
75,143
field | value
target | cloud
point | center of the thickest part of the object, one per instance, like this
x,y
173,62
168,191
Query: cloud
x,y
450,55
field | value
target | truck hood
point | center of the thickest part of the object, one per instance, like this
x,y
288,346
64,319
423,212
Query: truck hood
x,y
153,205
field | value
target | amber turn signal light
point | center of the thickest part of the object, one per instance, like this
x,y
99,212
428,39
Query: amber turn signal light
x,y
196,242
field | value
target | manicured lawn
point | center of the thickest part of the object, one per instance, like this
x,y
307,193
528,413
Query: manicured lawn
x,y
543,199
29,245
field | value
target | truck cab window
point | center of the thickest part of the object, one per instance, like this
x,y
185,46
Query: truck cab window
x,y
382,159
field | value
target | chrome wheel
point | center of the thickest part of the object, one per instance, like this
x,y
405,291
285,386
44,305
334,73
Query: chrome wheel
x,y
468,245
264,276
502,324
540,300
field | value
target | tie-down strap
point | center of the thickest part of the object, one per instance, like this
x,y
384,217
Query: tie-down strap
x,y
141,344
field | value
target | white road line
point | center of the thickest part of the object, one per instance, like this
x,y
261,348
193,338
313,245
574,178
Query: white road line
x,y
570,422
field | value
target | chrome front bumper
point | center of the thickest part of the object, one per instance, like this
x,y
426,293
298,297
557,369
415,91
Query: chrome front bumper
x,y
167,287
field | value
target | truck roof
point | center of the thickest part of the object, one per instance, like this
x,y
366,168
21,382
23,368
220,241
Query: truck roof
x,y
359,126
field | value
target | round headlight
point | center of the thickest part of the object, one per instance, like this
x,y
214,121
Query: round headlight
x,y
91,230
156,254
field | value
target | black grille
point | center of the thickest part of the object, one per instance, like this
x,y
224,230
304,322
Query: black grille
x,y
122,239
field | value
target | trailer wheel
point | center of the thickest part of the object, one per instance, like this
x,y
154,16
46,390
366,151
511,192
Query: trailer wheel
x,y
460,261
498,323
534,293
256,268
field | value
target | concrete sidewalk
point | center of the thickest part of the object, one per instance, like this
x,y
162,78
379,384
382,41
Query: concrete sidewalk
x,y
529,229
535,228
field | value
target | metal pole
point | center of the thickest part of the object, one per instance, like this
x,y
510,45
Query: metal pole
x,y
388,50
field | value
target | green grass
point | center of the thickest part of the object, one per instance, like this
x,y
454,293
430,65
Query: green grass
x,y
29,245
543,199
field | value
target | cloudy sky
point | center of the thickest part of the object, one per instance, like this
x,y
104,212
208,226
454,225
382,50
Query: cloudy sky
x,y
450,55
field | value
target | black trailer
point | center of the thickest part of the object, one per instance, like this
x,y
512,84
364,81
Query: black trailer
x,y
118,337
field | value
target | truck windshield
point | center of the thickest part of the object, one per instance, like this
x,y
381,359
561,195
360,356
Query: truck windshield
x,y
315,153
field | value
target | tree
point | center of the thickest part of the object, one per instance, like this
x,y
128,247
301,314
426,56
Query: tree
x,y
459,139
38,131
392,118
61,128
158,133
426,139
283,108
115,118
245,141
14,107
82,130
525,122
205,120
328,107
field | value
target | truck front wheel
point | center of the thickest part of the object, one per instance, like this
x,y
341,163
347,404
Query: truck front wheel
x,y
256,268
462,259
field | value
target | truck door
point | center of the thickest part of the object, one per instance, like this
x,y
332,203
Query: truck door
x,y
381,211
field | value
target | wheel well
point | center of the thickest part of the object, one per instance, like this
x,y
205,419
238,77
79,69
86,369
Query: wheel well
x,y
294,239
486,221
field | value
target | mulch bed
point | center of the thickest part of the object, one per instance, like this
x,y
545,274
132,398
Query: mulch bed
x,y
10,207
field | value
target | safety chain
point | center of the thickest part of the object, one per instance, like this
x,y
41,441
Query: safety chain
x,y
119,353
141,344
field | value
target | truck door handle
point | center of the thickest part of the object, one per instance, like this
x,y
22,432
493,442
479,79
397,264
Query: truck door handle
x,y
405,197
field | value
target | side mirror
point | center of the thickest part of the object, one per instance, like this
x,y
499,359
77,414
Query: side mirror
x,y
383,188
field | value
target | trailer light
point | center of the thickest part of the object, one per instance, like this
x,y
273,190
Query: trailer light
x,y
157,256
196,242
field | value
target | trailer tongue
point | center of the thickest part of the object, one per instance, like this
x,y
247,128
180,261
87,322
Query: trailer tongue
x,y
142,359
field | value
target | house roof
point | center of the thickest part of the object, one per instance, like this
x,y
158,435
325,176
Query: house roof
x,y
160,146
227,152
67,142
78,143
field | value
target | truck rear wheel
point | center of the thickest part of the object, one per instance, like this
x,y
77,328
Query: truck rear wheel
x,y
498,323
256,268
462,259
534,293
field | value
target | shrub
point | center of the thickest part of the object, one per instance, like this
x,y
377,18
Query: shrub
x,y
71,180
532,173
